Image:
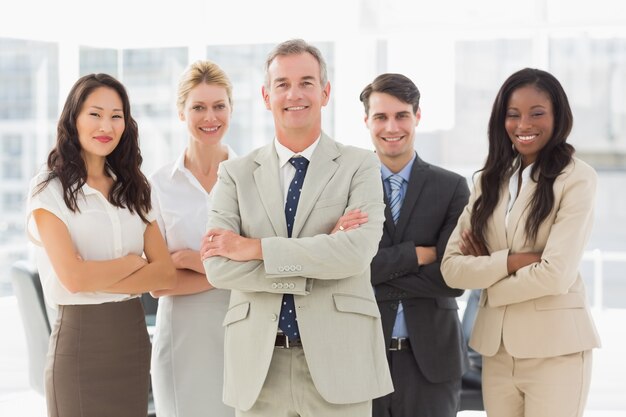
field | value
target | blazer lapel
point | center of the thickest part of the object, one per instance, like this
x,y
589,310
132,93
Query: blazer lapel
x,y
389,226
321,169
267,181
518,210
414,188
498,229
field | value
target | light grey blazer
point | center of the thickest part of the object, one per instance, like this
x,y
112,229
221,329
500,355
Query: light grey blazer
x,y
329,275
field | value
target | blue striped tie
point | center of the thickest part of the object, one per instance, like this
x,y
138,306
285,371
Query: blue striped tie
x,y
395,197
288,321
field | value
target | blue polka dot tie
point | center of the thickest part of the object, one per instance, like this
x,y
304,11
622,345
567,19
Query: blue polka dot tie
x,y
395,195
288,321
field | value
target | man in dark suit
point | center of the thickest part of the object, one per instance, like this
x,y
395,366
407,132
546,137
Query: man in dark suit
x,y
422,331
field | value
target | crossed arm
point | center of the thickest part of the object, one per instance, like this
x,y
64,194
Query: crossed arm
x,y
228,244
244,263
472,246
403,271
130,274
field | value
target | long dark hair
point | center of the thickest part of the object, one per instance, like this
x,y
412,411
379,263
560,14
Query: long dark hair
x,y
130,187
550,162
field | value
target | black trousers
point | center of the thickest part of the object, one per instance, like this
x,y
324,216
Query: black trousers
x,y
414,395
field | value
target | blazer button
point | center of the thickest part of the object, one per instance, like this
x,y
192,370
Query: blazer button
x,y
274,285
291,285
280,285
281,269
394,307
298,267
274,317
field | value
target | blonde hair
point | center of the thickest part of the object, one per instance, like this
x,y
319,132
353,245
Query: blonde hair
x,y
202,72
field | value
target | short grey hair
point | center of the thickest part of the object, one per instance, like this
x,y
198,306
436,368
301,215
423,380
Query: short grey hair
x,y
296,47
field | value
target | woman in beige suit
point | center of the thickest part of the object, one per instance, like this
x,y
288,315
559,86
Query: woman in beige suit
x,y
521,238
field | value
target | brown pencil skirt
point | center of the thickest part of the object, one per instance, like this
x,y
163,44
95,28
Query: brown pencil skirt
x,y
99,361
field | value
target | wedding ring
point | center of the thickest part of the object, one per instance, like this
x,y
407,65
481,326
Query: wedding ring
x,y
211,238
341,228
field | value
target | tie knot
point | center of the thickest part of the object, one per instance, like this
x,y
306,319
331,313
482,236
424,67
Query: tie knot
x,y
395,181
299,162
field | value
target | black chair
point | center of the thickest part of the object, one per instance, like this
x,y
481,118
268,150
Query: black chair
x,y
471,382
37,320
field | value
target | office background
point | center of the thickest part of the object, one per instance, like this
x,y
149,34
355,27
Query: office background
x,y
457,52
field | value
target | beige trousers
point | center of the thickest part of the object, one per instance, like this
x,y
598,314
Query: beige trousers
x,y
541,387
289,392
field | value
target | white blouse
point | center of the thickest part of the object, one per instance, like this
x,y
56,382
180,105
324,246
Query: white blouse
x,y
99,231
181,205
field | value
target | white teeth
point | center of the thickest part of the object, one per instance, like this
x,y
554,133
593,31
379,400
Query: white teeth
x,y
392,139
295,108
209,129
530,137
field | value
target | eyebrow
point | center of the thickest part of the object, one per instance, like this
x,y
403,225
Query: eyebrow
x,y
101,108
400,113
305,78
221,100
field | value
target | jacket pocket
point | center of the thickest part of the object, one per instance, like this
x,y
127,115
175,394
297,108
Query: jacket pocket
x,y
329,202
556,302
352,304
236,313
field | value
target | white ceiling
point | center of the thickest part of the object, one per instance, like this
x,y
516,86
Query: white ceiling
x,y
144,23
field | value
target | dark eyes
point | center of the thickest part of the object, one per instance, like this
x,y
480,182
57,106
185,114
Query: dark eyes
x,y
383,117
115,116
515,115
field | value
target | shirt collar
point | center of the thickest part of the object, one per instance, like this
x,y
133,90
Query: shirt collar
x,y
87,189
179,165
284,153
525,172
405,172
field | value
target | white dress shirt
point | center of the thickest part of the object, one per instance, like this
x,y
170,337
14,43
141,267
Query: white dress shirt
x,y
99,231
180,204
288,171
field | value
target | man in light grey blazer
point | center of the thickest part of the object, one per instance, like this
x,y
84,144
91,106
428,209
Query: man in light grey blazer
x,y
293,239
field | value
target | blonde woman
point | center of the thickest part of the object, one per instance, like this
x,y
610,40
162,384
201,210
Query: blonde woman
x,y
188,346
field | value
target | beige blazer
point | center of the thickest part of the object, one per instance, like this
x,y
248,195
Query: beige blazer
x,y
541,310
329,275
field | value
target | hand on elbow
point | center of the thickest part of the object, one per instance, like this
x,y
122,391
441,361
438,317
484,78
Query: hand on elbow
x,y
350,220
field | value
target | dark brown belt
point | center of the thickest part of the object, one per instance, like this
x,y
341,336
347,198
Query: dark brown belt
x,y
400,343
283,342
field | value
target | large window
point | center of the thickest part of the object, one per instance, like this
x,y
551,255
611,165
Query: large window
x,y
459,82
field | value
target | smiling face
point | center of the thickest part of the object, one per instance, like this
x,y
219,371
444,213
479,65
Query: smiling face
x,y
392,123
529,122
295,97
100,123
207,113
